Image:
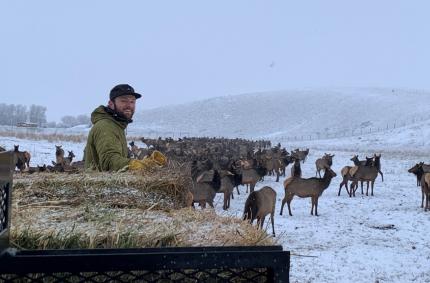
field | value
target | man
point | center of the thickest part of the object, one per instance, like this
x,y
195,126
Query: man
x,y
106,148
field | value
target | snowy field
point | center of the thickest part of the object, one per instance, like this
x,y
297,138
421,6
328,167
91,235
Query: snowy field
x,y
384,238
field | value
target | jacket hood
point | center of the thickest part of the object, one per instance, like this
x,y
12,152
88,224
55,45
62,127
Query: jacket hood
x,y
101,113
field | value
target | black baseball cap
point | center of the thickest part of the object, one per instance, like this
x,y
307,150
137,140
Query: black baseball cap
x,y
123,89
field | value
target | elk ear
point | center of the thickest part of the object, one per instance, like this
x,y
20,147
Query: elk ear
x,y
332,155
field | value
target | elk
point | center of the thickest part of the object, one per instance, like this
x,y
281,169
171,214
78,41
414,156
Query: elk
x,y
252,175
22,158
206,187
364,173
68,160
227,186
59,155
418,170
425,187
323,162
304,188
301,154
377,160
367,162
258,205
346,176
32,170
136,152
296,170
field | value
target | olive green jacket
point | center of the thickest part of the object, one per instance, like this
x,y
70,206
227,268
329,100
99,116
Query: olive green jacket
x,y
106,148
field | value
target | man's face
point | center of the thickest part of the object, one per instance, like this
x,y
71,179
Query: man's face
x,y
124,105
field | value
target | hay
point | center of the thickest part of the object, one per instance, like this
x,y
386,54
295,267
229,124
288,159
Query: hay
x,y
118,210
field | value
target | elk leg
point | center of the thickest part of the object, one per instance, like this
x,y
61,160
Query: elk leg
x,y
284,200
272,218
382,175
351,189
316,206
237,189
289,199
312,207
251,187
340,187
346,187
372,184
262,222
361,187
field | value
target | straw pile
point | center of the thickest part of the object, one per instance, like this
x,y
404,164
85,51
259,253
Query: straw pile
x,y
117,210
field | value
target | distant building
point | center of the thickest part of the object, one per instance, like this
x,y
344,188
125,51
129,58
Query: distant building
x,y
26,125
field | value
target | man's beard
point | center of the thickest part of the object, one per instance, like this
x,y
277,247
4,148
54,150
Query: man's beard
x,y
120,115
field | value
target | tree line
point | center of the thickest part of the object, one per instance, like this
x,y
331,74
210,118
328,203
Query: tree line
x,y
12,114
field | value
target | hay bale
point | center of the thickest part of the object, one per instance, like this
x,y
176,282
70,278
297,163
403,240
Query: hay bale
x,y
118,210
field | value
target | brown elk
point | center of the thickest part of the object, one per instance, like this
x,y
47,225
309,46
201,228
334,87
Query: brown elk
x,y
296,170
377,160
364,173
304,188
418,170
323,162
206,187
136,152
425,187
252,175
22,158
59,155
227,186
301,154
346,176
258,205
32,170
68,160
357,162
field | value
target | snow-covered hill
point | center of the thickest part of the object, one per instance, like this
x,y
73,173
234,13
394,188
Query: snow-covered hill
x,y
308,113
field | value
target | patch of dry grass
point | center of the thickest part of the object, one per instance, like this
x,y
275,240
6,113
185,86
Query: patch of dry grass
x,y
118,210
79,138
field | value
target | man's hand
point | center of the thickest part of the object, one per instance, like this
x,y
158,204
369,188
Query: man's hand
x,y
156,159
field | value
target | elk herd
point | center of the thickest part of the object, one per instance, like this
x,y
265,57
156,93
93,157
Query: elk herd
x,y
222,166
61,164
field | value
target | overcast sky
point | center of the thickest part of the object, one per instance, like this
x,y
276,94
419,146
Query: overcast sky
x,y
67,55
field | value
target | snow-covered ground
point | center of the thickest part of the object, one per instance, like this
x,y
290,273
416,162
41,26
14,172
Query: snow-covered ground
x,y
347,242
